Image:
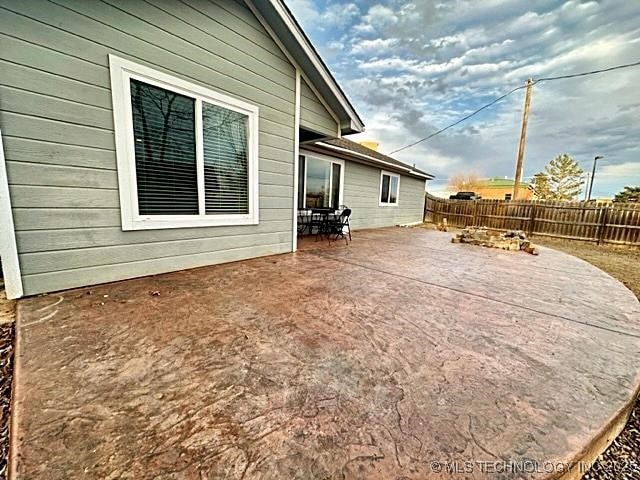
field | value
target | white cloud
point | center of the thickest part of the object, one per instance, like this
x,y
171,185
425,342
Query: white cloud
x,y
375,46
422,65
338,15
304,11
380,16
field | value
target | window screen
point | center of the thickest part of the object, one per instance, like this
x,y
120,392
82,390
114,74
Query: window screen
x,y
165,151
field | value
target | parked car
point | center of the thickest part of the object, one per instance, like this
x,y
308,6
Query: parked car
x,y
465,196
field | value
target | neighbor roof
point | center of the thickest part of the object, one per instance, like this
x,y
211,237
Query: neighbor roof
x,y
345,148
284,28
500,182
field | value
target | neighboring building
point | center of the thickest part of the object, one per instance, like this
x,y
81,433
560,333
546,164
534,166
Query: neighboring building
x,y
141,139
501,188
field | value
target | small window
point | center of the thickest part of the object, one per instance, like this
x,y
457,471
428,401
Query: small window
x,y
187,156
507,196
389,189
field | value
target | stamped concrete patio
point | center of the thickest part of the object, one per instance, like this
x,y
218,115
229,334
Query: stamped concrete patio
x,y
381,360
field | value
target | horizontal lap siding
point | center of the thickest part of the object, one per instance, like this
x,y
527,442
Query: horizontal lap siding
x,y
57,127
362,194
313,115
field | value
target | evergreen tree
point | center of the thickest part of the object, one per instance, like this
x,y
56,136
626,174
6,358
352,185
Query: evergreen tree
x,y
628,195
541,187
565,177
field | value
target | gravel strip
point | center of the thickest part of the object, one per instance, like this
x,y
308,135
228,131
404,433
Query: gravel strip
x,y
6,376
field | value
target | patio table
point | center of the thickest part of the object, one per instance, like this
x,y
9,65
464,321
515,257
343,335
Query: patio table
x,y
323,217
318,219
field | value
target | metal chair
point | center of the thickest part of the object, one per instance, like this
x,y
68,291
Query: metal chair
x,y
304,221
339,227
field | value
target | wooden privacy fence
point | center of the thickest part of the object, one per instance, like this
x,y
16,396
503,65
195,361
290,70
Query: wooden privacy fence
x,y
597,222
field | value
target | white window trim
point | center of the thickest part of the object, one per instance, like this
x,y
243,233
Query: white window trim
x,y
318,156
388,204
122,71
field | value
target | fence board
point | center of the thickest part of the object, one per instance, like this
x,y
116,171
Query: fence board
x,y
614,223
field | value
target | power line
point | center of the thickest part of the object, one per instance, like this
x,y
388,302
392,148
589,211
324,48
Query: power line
x,y
502,97
592,72
460,121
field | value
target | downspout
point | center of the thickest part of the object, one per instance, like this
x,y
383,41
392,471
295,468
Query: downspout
x,y
296,155
8,248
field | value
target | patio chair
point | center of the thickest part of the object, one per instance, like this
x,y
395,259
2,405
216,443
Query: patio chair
x,y
339,227
304,221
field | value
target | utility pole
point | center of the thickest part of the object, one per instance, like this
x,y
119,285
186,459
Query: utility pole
x,y
523,135
593,174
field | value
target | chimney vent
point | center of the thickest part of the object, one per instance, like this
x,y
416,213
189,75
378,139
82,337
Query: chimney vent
x,y
372,144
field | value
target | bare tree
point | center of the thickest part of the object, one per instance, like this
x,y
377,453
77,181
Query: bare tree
x,y
465,182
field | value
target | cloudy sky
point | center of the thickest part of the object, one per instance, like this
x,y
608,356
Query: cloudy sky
x,y
412,67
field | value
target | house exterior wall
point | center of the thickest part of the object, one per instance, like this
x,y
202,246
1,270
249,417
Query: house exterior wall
x,y
313,114
57,124
362,195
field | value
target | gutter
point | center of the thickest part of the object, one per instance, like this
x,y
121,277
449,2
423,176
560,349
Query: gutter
x,y
346,151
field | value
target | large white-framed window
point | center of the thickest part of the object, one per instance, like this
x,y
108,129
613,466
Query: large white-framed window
x,y
320,181
187,155
389,189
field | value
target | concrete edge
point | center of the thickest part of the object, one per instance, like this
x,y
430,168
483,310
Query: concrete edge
x,y
583,461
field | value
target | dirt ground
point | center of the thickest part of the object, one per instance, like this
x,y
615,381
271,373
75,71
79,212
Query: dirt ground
x,y
622,459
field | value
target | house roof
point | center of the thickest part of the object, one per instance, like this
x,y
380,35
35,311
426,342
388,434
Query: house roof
x,y
501,182
345,148
285,30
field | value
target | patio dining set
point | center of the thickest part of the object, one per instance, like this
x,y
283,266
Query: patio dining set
x,y
329,223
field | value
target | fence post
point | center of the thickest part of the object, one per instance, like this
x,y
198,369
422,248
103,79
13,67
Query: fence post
x,y
424,213
602,225
475,210
532,219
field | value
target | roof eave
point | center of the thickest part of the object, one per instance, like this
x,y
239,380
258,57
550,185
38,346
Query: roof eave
x,y
347,154
297,44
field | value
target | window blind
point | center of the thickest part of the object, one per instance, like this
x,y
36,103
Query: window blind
x,y
165,152
226,175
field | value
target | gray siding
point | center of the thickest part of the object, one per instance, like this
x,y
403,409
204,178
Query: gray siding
x,y
362,195
57,126
313,115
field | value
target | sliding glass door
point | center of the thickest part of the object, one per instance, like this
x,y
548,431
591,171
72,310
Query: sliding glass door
x,y
320,182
